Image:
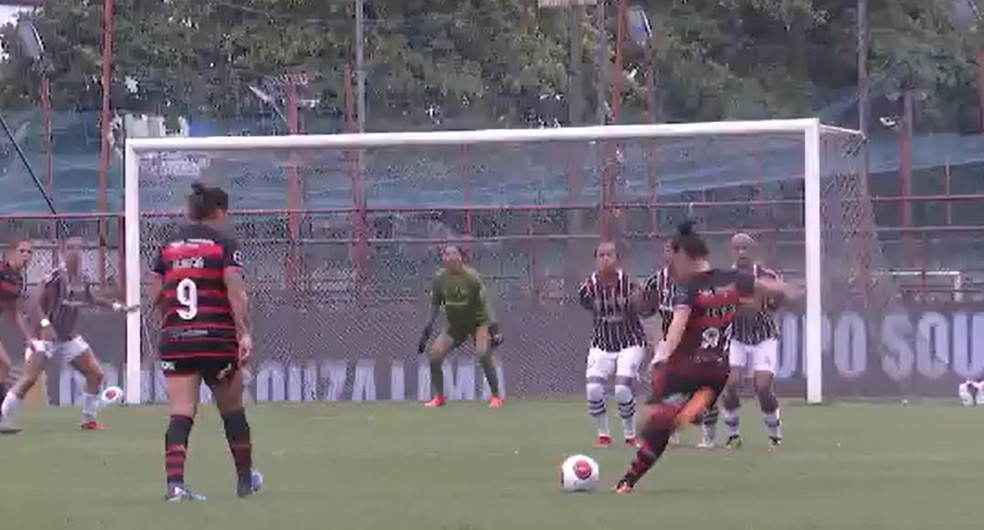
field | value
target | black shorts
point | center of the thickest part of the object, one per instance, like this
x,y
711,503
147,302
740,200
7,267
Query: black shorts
x,y
682,375
208,368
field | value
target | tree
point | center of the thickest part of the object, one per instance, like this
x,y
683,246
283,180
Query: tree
x,y
473,63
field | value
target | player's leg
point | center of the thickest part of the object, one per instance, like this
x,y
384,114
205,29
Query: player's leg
x,y
657,380
5,366
34,364
483,349
78,353
730,402
687,397
228,394
600,366
182,383
439,350
765,357
626,373
708,426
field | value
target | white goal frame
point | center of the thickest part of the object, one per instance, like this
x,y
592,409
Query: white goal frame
x,y
810,128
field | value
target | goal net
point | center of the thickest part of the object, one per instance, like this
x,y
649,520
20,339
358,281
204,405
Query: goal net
x,y
340,235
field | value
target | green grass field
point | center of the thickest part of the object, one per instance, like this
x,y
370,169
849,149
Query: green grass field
x,y
383,466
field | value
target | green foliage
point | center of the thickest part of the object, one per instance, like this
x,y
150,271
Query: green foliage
x,y
484,62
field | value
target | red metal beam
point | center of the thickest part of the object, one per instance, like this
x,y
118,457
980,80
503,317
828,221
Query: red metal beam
x,y
107,69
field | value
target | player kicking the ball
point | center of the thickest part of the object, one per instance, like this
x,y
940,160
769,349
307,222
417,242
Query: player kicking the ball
x,y
755,343
63,292
618,344
205,336
697,341
459,290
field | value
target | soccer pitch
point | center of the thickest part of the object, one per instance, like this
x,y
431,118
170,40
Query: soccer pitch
x,y
381,466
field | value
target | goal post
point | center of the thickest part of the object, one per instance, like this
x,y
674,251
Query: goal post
x,y
807,133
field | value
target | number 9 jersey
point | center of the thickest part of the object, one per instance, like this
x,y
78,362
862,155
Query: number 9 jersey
x,y
713,297
197,320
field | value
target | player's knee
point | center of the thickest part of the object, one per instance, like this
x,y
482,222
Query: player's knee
x,y
235,421
623,393
594,391
661,417
764,390
95,377
178,430
24,385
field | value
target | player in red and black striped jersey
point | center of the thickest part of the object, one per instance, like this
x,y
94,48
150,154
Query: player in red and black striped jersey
x,y
697,341
205,335
13,295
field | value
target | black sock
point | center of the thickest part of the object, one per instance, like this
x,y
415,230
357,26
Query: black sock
x,y
437,377
176,448
240,444
655,436
488,367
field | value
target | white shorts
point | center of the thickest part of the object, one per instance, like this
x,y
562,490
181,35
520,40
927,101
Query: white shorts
x,y
68,350
761,357
624,363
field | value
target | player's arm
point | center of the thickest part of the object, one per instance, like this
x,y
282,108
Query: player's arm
x,y
772,302
772,288
156,288
22,312
232,274
644,299
482,302
44,308
102,301
586,295
683,303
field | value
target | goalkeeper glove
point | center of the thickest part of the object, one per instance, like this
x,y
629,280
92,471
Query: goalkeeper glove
x,y
495,335
424,337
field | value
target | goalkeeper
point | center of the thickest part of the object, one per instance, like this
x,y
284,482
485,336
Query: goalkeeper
x,y
459,290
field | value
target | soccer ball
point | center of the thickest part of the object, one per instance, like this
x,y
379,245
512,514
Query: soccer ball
x,y
579,473
971,393
112,395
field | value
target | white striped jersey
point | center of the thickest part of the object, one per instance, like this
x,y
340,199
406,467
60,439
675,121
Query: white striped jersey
x,y
761,325
658,294
616,322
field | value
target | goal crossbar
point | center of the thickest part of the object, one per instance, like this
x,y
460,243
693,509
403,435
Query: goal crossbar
x,y
810,128
485,136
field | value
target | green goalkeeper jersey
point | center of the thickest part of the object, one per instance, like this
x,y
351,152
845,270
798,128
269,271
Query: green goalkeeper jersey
x,y
463,297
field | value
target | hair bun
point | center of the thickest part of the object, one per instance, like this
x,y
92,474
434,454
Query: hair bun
x,y
686,228
198,188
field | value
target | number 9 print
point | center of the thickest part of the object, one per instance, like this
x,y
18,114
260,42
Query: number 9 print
x,y
187,295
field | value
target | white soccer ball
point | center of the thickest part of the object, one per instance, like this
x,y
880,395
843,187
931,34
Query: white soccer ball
x,y
579,473
969,393
112,395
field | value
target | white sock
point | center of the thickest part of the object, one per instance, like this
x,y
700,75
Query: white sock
x,y
708,433
10,404
596,407
773,424
90,405
731,422
626,409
